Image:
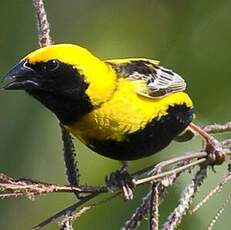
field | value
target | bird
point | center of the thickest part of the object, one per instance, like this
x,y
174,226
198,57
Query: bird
x,y
123,109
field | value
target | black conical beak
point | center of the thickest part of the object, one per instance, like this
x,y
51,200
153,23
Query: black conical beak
x,y
21,77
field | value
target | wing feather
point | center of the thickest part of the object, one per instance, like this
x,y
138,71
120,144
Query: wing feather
x,y
159,81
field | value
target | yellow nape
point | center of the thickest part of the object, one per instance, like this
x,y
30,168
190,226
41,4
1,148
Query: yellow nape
x,y
125,113
100,76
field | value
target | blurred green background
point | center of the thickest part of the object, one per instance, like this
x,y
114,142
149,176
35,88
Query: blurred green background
x,y
192,37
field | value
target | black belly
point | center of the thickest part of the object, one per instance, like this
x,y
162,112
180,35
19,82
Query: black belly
x,y
154,137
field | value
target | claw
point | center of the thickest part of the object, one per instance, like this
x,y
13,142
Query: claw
x,y
122,180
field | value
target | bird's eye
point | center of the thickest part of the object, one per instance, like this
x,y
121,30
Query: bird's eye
x,y
52,65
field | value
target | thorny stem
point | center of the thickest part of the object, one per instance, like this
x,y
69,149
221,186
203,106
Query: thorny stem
x,y
175,217
226,143
43,24
10,187
69,151
66,223
156,190
218,188
219,213
15,186
154,206
84,209
69,211
148,203
19,187
217,128
72,170
139,214
66,211
141,211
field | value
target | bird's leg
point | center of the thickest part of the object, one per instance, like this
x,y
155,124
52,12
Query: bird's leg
x,y
186,135
124,166
213,147
122,179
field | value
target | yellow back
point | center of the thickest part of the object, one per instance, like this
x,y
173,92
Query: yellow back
x,y
125,113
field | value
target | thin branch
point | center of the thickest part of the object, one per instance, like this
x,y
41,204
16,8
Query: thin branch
x,y
69,151
219,213
142,210
158,189
66,223
160,176
175,217
8,186
227,143
43,24
69,212
139,214
217,188
154,206
14,188
162,164
200,161
70,218
72,170
66,211
217,128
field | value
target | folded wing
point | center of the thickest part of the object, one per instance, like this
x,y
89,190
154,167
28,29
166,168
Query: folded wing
x,y
158,81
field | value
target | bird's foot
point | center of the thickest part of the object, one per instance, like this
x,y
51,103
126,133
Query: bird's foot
x,y
122,180
214,150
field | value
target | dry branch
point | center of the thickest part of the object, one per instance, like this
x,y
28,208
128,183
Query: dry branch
x,y
72,171
43,24
138,214
186,198
217,128
154,206
217,188
30,188
219,213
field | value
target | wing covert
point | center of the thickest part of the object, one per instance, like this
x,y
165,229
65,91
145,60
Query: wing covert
x,y
158,81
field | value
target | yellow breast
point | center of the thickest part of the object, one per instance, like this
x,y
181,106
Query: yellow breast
x,y
125,113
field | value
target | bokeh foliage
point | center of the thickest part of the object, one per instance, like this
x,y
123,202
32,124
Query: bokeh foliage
x,y
192,37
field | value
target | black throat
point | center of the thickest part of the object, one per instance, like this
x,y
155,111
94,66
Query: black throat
x,y
62,90
67,107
